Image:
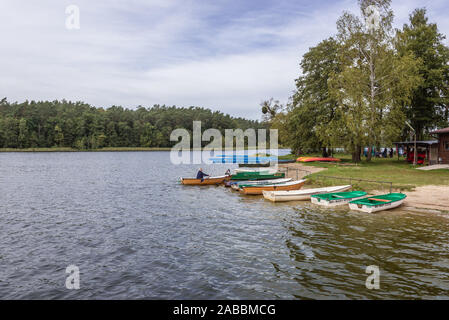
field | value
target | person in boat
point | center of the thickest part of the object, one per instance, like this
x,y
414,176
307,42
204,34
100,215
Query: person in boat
x,y
201,175
228,172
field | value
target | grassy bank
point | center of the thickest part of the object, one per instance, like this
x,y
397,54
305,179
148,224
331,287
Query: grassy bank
x,y
404,176
57,149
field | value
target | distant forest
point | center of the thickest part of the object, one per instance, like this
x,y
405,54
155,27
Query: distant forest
x,y
45,124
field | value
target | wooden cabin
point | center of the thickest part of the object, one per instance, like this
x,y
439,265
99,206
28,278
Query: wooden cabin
x,y
443,145
427,151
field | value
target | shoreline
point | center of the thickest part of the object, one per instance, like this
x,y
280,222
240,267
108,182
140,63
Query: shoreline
x,y
427,198
118,149
109,149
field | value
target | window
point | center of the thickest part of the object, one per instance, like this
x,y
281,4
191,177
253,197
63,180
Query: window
x,y
446,145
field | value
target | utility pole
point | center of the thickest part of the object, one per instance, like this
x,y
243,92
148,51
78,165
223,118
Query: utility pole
x,y
415,152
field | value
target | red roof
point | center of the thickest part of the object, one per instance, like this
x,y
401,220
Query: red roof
x,y
445,130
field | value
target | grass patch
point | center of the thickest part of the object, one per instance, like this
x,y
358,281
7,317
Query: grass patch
x,y
403,175
288,157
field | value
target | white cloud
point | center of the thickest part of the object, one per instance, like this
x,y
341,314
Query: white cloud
x,y
168,52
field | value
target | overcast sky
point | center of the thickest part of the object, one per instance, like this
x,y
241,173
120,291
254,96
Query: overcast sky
x,y
226,55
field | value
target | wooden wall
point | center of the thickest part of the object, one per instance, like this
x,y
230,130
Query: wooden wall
x,y
433,157
443,152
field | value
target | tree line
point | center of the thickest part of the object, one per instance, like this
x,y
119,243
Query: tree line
x,y
35,124
358,88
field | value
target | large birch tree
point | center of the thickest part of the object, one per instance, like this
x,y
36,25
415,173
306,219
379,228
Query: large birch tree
x,y
375,83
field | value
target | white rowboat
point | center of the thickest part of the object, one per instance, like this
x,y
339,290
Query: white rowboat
x,y
237,185
301,195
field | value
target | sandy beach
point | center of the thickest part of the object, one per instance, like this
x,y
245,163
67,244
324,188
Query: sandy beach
x,y
429,197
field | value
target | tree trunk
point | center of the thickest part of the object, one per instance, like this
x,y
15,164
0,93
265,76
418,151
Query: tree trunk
x,y
419,133
356,154
324,153
369,154
373,96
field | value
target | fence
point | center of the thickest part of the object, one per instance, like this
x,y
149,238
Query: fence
x,y
319,176
287,169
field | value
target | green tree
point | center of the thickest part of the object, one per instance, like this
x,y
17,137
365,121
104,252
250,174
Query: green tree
x,y
147,135
428,107
270,108
375,83
79,125
59,136
10,133
313,108
23,134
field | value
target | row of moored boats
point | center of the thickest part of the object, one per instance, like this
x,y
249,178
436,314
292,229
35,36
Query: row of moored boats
x,y
274,186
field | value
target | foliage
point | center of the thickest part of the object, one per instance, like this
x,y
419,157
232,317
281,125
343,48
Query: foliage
x,y
375,82
358,88
45,124
312,103
270,109
311,109
429,106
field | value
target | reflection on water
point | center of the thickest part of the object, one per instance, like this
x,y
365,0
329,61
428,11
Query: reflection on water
x,y
135,232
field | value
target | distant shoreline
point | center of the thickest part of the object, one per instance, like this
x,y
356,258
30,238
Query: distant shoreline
x,y
108,149
123,149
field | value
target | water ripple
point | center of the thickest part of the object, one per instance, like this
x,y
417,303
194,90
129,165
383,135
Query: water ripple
x,y
135,232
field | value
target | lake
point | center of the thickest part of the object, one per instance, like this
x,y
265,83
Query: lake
x,y
135,232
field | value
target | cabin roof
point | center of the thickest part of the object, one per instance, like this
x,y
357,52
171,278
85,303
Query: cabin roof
x,y
411,143
445,130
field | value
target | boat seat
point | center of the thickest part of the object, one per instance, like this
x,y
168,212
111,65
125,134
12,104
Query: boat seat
x,y
380,200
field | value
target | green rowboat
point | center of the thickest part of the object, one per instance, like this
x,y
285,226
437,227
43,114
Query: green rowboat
x,y
378,203
256,176
337,199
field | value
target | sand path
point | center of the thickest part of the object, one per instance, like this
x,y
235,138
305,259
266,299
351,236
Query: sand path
x,y
301,172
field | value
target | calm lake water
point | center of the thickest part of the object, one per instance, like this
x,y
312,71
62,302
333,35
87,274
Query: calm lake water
x,y
135,232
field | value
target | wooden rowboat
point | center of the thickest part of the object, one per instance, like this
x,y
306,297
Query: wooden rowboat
x,y
378,203
258,190
237,185
301,195
337,199
206,181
